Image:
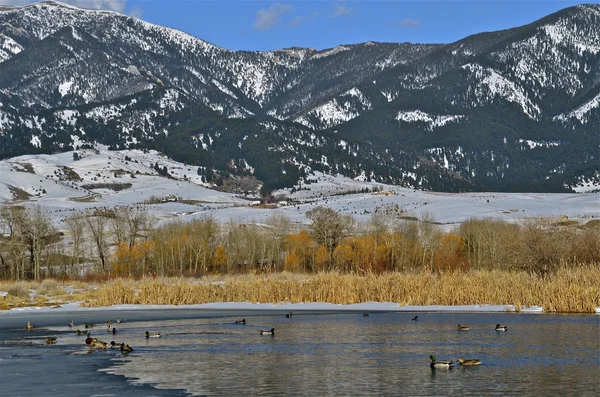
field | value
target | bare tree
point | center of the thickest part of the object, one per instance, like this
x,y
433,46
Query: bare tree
x,y
97,226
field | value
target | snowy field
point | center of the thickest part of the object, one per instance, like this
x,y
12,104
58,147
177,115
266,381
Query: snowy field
x,y
61,186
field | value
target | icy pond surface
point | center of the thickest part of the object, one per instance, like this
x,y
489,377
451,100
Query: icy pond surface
x,y
325,353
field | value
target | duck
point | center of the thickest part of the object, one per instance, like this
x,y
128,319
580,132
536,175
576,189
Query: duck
x,y
71,324
267,332
111,329
469,362
89,340
365,314
125,348
501,327
119,320
28,326
98,344
51,340
114,345
415,318
79,332
89,325
153,335
463,327
440,364
289,315
242,321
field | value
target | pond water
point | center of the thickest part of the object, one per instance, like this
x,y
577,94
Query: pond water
x,y
343,354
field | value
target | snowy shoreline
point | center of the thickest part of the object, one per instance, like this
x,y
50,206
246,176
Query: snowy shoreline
x,y
298,307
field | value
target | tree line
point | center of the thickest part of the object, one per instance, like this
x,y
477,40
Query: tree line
x,y
126,241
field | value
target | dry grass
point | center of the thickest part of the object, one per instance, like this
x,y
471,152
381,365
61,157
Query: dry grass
x,y
572,290
47,292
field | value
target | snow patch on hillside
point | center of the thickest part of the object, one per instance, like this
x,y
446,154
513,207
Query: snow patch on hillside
x,y
497,85
8,48
432,121
534,144
582,113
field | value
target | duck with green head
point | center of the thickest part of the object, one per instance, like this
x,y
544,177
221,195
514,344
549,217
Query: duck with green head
x,y
268,332
501,327
152,335
440,364
51,340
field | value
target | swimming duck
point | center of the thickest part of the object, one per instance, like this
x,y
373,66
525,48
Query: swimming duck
x,y
89,340
501,327
71,324
153,335
463,327
119,320
111,329
289,315
114,345
440,364
79,332
28,326
125,348
415,318
89,325
98,344
269,332
242,321
365,314
50,340
470,362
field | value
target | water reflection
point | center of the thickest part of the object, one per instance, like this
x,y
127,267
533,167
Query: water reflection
x,y
384,354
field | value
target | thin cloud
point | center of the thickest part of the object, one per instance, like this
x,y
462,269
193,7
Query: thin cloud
x,y
297,21
110,5
409,23
342,11
267,18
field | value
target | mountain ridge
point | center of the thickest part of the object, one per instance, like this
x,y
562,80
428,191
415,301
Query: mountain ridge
x,y
403,113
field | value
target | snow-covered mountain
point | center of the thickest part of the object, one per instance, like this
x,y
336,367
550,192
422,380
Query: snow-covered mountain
x,y
443,117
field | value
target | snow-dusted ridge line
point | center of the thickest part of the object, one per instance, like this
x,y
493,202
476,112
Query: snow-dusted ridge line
x,y
298,307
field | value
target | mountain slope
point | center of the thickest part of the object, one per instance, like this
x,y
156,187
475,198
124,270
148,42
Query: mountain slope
x,y
517,109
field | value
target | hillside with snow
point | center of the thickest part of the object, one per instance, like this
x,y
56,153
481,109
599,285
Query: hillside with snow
x,y
455,117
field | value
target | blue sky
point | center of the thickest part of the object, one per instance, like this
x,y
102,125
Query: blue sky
x,y
268,25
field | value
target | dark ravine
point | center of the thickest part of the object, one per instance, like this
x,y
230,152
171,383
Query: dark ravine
x,y
515,110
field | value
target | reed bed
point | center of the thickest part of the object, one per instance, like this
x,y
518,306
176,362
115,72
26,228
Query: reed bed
x,y
567,290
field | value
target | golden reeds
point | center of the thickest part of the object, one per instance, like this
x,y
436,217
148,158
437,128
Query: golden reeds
x,y
568,290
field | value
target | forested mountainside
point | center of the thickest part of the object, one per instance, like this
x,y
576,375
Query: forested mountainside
x,y
514,110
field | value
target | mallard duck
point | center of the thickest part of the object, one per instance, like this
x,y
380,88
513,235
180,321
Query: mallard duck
x,y
268,332
242,321
153,335
28,326
125,348
289,315
365,314
440,364
98,344
111,329
50,340
79,332
119,320
89,325
501,327
463,327
71,324
114,345
470,362
415,318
